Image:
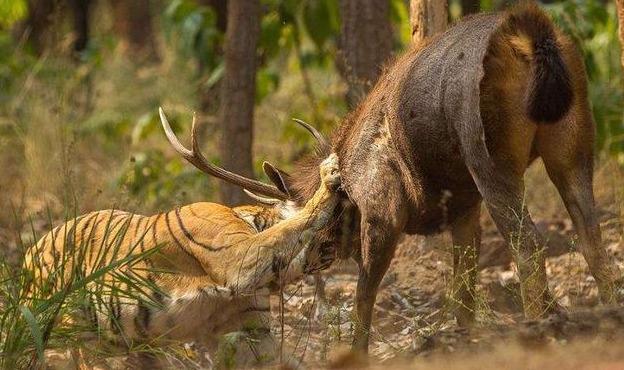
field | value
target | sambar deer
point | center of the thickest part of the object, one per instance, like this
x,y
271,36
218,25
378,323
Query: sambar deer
x,y
456,121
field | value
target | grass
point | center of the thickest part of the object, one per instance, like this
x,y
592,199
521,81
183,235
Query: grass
x,y
81,137
41,307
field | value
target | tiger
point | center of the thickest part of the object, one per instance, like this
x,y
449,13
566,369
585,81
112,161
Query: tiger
x,y
212,267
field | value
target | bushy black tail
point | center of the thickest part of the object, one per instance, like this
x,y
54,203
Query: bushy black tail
x,y
549,95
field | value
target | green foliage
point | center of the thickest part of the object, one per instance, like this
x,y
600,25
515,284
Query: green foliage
x,y
488,5
594,28
32,307
158,180
322,21
194,28
12,11
399,13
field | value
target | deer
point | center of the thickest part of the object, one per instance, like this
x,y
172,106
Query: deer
x,y
452,124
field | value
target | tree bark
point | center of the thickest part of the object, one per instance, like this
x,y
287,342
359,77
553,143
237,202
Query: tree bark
x,y
80,15
133,24
427,17
238,93
470,7
38,23
220,9
365,44
620,12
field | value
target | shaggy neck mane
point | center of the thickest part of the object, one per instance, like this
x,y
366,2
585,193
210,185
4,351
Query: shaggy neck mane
x,y
308,179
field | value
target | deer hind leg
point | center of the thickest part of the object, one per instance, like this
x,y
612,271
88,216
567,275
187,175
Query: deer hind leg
x,y
466,233
570,169
501,186
527,246
503,194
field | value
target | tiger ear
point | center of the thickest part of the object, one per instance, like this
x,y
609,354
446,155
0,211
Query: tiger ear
x,y
277,177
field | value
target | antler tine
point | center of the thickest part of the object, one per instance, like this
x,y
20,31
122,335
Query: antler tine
x,y
171,136
261,199
197,159
194,137
316,133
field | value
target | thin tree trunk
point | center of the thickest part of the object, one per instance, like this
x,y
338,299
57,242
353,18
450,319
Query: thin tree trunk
x,y
620,12
238,93
133,24
427,17
365,44
80,15
39,22
470,7
220,9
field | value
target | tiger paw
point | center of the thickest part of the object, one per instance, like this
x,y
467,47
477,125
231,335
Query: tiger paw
x,y
330,174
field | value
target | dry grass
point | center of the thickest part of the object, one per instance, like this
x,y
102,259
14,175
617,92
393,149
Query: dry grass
x,y
71,139
581,354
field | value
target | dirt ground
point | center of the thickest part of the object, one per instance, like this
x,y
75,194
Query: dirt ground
x,y
413,328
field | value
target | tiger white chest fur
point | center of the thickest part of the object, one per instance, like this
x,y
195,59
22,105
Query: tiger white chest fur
x,y
205,313
199,315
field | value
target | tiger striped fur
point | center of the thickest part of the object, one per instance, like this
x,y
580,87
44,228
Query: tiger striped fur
x,y
213,266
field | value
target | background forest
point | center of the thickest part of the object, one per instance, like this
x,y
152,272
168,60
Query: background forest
x,y
81,83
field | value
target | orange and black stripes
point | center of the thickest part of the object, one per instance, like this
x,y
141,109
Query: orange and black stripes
x,y
190,237
89,242
212,261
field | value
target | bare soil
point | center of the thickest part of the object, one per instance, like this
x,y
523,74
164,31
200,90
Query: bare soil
x,y
413,327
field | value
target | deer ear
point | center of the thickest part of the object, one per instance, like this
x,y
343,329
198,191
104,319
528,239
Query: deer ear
x,y
277,177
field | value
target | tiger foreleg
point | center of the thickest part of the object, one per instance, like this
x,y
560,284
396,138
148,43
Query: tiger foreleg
x,y
283,252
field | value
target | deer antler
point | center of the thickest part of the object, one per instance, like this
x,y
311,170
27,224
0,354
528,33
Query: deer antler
x,y
262,200
316,133
197,159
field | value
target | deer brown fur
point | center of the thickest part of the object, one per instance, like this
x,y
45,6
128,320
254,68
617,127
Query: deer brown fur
x,y
456,122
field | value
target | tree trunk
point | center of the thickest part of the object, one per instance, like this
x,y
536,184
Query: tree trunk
x,y
38,24
365,44
80,15
220,9
620,13
238,93
133,24
470,7
427,17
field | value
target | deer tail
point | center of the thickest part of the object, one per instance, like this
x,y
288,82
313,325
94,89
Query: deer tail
x,y
532,33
